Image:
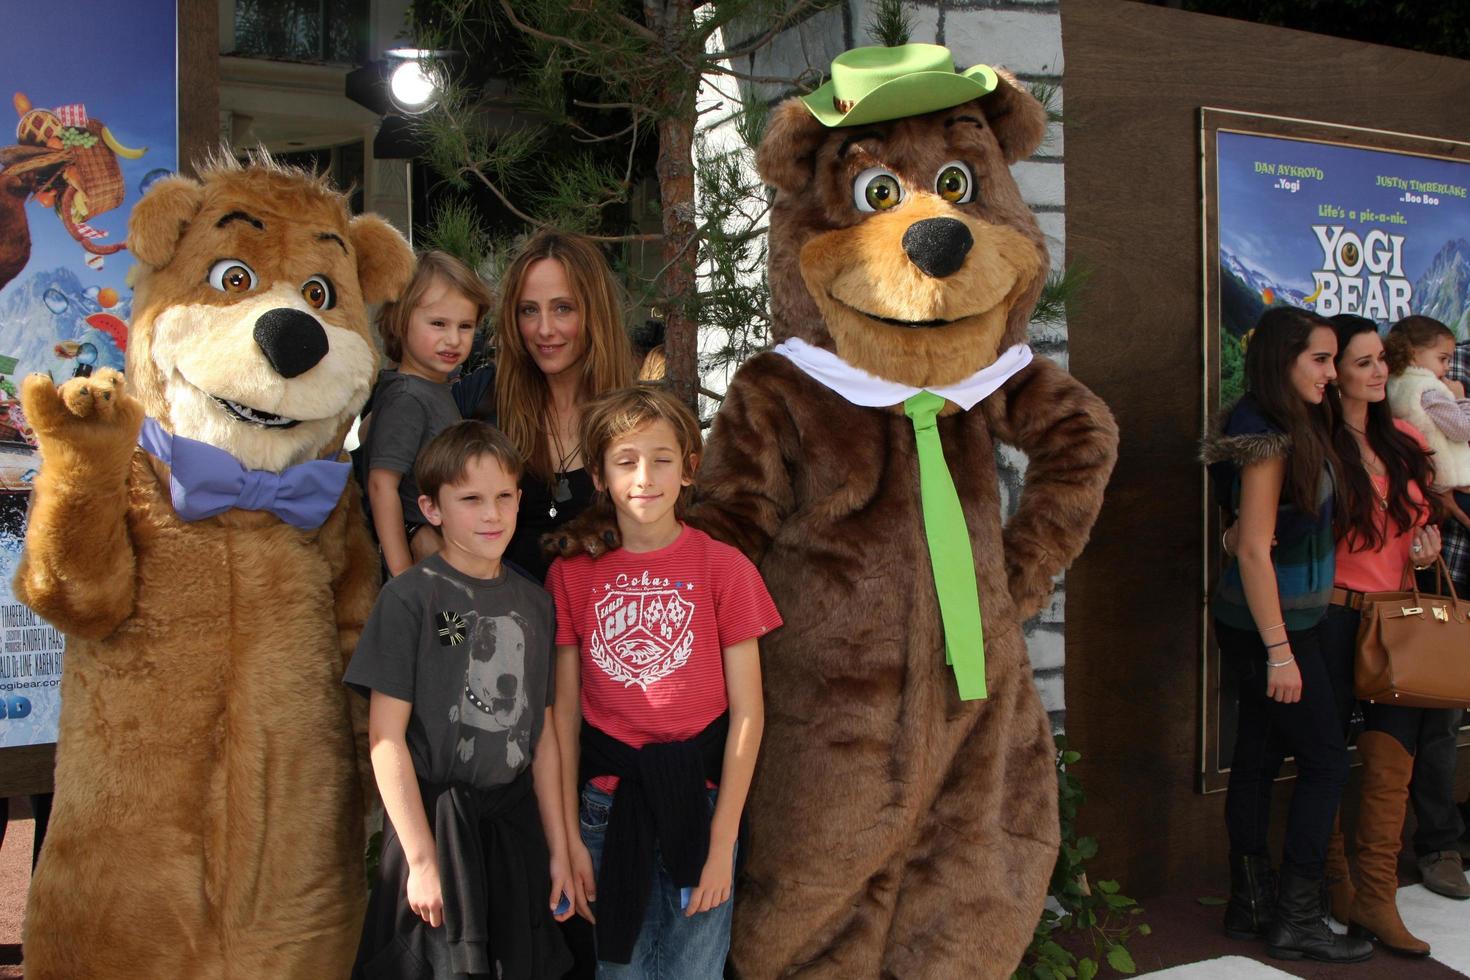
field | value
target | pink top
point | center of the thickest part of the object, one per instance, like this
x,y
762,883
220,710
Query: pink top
x,y
1381,570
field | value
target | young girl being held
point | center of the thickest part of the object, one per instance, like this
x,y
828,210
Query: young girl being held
x,y
659,700
428,333
1419,352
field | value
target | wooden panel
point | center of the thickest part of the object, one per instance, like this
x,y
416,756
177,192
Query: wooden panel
x,y
26,769
1136,79
198,81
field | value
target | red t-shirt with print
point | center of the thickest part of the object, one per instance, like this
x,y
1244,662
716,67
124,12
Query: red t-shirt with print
x,y
652,627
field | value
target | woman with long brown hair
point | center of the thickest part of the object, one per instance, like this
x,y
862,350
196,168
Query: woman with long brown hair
x,y
1272,463
559,342
1382,527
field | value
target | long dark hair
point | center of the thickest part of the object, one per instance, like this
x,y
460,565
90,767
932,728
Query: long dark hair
x,y
1355,516
1277,340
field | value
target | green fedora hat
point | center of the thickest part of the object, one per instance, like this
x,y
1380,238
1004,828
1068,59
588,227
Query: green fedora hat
x,y
878,83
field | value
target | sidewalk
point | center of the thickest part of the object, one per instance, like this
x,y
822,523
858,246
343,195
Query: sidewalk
x,y
15,876
1187,944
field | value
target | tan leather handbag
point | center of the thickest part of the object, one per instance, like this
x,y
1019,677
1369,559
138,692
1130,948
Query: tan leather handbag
x,y
1414,647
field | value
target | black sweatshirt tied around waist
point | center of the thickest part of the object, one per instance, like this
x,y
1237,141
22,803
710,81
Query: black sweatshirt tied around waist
x,y
494,875
660,803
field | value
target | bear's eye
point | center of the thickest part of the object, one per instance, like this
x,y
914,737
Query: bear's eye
x,y
876,189
318,292
954,182
232,276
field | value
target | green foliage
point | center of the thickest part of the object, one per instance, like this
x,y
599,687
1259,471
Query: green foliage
x,y
890,24
1232,367
456,228
1059,294
734,311
1097,919
1049,94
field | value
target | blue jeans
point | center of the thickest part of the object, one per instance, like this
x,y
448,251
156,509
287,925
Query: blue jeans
x,y
670,945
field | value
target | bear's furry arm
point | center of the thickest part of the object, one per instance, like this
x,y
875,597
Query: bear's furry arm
x,y
1071,443
356,575
745,487
78,570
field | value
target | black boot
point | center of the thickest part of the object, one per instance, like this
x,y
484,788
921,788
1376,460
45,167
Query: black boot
x,y
1300,930
1252,908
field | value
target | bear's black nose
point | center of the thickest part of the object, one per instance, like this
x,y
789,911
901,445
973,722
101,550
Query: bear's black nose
x,y
292,341
938,246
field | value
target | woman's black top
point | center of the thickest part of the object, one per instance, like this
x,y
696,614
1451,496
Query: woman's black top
x,y
475,395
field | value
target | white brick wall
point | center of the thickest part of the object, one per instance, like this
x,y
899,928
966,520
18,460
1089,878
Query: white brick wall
x,y
1028,42
1024,36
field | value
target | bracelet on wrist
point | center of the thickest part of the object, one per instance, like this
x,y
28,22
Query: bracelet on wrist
x,y
1272,646
1280,663
1267,629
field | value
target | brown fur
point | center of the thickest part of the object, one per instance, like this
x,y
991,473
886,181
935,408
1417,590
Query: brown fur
x,y
896,830
210,766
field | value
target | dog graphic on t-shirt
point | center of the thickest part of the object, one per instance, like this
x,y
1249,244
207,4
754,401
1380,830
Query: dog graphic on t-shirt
x,y
494,696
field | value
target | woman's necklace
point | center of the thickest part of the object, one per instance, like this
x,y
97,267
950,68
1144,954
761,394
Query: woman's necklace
x,y
561,490
1371,463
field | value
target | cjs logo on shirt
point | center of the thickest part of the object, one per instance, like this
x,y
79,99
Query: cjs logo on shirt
x,y
643,630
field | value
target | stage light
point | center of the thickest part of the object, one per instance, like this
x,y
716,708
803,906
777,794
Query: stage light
x,y
412,87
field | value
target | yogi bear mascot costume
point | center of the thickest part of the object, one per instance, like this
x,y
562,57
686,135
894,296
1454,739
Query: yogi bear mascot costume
x,y
903,818
195,535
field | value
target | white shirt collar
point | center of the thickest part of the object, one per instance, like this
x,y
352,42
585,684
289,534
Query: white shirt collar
x,y
870,391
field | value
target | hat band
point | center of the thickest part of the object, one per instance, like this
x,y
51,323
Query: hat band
x,y
842,105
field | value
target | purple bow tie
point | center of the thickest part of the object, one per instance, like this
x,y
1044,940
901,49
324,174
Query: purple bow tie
x,y
205,480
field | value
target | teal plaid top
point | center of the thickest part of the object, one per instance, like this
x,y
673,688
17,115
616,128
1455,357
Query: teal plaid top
x,y
1303,553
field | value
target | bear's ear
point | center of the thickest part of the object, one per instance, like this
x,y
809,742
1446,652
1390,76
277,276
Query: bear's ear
x,y
384,260
786,158
157,222
1016,118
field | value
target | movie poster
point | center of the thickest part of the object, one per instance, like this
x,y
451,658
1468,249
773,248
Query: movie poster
x,y
88,120
1336,229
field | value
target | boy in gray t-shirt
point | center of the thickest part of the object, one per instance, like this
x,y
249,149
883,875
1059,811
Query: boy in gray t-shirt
x,y
457,661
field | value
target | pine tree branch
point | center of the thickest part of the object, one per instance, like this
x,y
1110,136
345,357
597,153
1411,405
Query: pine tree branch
x,y
720,69
639,29
510,206
635,107
525,28
781,23
591,137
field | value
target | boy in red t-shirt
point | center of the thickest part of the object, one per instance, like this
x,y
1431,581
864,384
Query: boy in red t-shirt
x,y
658,700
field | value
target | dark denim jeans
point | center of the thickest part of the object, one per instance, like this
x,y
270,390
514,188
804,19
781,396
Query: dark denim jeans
x,y
671,946
1311,730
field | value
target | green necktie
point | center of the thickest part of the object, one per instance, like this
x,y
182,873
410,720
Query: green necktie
x,y
949,551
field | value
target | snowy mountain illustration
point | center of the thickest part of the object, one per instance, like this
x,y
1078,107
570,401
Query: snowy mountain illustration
x,y
1245,292
1443,292
1259,281
51,306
